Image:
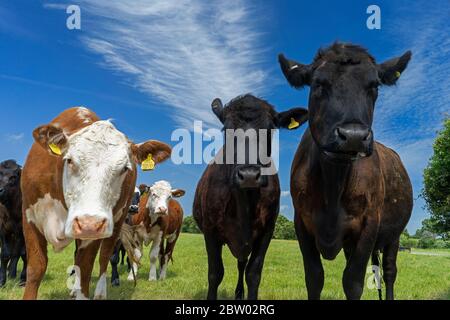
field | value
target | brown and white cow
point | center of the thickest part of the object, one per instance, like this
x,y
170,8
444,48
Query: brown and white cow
x,y
160,218
77,183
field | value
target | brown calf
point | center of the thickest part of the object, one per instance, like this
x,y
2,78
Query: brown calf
x,y
160,219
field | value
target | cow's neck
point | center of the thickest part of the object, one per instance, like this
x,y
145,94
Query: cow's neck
x,y
333,177
246,201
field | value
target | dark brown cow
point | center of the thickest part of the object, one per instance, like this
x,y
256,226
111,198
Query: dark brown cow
x,y
77,183
348,191
159,222
235,203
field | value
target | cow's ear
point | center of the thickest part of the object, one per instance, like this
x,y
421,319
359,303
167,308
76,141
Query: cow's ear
x,y
217,108
297,74
389,71
51,138
292,119
149,153
143,188
177,193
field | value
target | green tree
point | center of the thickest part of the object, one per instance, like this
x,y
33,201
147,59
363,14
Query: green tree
x,y
190,226
436,191
284,229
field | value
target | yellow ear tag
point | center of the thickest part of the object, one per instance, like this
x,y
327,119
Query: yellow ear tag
x,y
294,124
55,149
397,74
148,164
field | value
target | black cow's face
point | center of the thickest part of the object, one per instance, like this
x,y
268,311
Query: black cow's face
x,y
344,81
9,180
248,123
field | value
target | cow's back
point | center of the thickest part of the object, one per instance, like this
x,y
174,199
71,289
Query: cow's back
x,y
42,172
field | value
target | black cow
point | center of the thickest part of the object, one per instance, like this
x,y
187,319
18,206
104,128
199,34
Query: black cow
x,y
235,203
349,191
11,235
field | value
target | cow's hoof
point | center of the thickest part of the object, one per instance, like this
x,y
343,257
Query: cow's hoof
x,y
130,278
115,283
100,297
151,279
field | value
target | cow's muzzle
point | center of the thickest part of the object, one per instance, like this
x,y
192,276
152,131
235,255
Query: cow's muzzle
x,y
89,228
249,176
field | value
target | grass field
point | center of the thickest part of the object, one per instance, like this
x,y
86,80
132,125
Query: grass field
x,y
420,276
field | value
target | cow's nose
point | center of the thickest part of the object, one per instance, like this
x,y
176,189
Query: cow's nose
x,y
89,227
162,210
353,137
249,177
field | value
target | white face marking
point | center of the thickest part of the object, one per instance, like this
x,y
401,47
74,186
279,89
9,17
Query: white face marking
x,y
95,166
100,290
49,216
158,200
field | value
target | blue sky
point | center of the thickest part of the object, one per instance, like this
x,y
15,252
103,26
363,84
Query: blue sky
x,y
154,66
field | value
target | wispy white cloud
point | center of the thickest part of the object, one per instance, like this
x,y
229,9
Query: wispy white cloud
x,y
414,108
58,6
14,137
181,53
285,194
409,114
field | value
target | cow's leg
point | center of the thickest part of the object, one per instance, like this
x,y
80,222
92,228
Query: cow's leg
x,y
106,251
154,253
115,279
312,264
161,258
168,252
376,264
5,257
85,260
23,255
355,271
215,265
256,263
133,266
123,253
15,256
36,247
390,268
239,293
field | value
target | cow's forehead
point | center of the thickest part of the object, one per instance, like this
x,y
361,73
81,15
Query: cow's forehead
x,y
161,188
99,139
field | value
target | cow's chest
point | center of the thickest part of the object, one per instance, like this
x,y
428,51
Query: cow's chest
x,y
50,216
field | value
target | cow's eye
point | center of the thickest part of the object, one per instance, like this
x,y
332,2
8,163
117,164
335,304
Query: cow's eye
x,y
125,169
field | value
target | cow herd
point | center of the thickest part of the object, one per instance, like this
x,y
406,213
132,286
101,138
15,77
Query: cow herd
x,y
349,191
